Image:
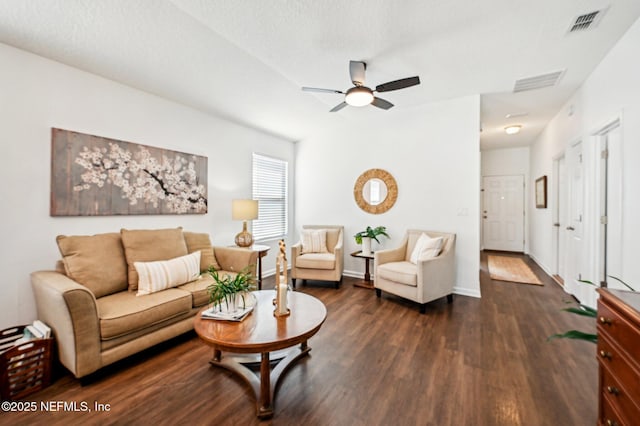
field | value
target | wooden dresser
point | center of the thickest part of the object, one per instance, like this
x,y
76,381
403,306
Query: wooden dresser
x,y
618,357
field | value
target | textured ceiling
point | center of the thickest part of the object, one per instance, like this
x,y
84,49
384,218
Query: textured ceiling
x,y
246,60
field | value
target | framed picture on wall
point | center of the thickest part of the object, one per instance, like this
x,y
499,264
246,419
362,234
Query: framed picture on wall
x,y
541,192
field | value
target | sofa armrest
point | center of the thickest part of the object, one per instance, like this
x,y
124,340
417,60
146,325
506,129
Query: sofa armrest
x,y
70,310
235,259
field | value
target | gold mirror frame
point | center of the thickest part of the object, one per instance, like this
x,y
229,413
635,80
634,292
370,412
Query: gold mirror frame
x,y
392,191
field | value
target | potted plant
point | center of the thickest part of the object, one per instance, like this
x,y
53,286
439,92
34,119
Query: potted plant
x,y
365,237
585,311
229,293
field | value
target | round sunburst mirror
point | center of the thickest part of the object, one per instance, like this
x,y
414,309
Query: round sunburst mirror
x,y
375,191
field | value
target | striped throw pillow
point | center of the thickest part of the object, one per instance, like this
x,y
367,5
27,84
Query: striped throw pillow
x,y
314,241
160,275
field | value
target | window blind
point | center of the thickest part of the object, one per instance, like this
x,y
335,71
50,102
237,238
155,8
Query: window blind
x,y
270,189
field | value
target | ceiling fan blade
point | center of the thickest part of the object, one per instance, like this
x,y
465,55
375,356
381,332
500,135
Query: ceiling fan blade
x,y
338,107
398,84
381,103
356,71
316,89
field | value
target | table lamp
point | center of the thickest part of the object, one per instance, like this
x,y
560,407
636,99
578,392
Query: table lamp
x,y
244,210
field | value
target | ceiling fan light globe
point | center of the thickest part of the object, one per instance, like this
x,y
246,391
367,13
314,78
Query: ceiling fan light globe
x,y
359,96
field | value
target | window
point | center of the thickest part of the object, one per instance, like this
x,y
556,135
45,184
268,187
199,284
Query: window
x,y
270,189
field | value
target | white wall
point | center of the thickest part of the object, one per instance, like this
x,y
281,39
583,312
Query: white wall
x,y
510,162
433,153
611,92
37,94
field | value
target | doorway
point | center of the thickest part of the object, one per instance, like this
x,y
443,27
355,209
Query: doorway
x,y
503,213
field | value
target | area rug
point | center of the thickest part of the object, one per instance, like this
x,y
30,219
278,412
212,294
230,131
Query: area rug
x,y
512,269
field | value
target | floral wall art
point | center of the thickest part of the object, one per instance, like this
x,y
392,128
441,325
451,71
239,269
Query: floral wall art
x,y
98,176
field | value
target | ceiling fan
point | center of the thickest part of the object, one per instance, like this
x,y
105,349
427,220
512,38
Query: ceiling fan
x,y
361,95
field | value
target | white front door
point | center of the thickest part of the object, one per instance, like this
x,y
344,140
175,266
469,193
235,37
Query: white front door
x,y
503,213
574,227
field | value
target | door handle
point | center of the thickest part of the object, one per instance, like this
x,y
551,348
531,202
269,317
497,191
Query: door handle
x,y
556,224
570,228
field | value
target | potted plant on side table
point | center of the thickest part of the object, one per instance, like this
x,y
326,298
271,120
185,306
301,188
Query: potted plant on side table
x,y
365,237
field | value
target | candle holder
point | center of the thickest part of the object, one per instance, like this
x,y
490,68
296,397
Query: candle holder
x,y
280,302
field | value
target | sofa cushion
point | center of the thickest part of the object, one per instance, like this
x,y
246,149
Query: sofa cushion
x,y
95,261
426,248
400,272
122,313
316,261
163,274
147,245
200,241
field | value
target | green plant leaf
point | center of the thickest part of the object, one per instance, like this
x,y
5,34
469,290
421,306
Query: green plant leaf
x,y
623,283
583,310
575,334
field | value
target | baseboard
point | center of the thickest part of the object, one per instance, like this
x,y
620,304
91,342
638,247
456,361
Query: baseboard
x,y
463,291
355,274
541,265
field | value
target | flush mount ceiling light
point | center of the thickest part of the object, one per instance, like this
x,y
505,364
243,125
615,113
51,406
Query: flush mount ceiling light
x,y
512,130
359,96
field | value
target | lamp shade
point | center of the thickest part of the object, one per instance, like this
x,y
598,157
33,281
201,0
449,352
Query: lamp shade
x,y
244,209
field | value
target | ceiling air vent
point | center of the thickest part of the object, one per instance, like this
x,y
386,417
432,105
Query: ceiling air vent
x,y
586,21
537,82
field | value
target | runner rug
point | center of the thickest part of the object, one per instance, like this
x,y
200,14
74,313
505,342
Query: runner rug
x,y
512,269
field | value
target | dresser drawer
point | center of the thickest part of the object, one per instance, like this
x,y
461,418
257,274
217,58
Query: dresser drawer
x,y
618,329
618,366
618,396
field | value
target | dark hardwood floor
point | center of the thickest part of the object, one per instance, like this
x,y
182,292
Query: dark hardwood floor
x,y
375,361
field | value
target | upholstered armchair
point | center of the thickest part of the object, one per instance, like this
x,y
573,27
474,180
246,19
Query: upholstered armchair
x,y
423,273
318,255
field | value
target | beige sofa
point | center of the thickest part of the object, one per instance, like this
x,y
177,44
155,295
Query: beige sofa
x,y
422,281
91,300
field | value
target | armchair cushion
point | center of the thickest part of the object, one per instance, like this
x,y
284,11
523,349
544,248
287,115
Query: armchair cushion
x,y
123,313
426,248
401,272
163,274
148,245
316,261
95,261
314,241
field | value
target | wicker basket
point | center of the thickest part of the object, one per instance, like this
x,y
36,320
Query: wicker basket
x,y
25,368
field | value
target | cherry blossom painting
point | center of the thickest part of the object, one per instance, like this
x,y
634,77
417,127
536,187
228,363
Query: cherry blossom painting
x,y
98,176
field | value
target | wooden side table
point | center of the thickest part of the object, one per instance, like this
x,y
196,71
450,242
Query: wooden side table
x,y
262,252
367,283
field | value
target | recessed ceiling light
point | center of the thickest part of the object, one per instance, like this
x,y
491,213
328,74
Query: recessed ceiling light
x,y
512,130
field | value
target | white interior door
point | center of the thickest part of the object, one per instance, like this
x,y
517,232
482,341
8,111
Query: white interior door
x,y
611,207
503,213
560,223
574,227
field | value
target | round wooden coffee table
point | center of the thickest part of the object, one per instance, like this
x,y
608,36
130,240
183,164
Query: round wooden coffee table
x,y
262,333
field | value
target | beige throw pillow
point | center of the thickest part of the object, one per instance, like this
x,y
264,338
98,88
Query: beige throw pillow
x,y
95,261
158,276
314,241
148,245
200,241
426,248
